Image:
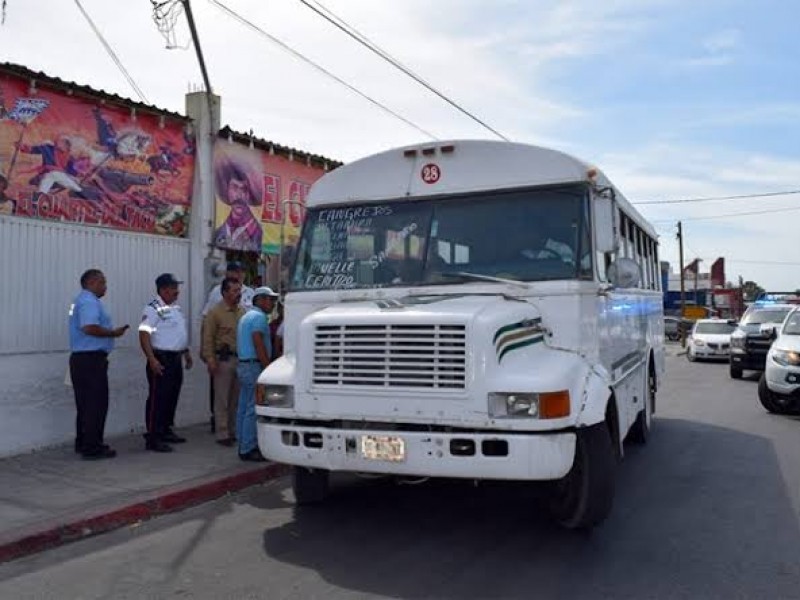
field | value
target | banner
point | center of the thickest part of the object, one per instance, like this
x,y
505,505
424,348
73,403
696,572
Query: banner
x,y
253,189
69,159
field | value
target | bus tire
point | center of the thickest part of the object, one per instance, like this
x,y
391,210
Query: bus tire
x,y
769,400
310,486
583,498
736,372
640,430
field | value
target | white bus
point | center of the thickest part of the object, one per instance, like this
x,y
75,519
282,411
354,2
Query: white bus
x,y
468,309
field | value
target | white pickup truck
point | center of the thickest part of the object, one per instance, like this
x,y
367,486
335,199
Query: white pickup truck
x,y
779,387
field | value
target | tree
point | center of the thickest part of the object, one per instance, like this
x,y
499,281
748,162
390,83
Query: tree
x,y
751,290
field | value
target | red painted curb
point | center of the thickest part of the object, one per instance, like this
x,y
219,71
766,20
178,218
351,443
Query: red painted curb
x,y
139,511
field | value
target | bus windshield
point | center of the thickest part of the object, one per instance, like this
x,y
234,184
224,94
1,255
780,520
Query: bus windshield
x,y
531,235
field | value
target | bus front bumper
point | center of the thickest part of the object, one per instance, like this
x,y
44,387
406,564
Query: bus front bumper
x,y
517,456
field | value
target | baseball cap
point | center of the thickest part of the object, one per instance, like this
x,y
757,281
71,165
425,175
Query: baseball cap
x,y
234,265
264,291
165,280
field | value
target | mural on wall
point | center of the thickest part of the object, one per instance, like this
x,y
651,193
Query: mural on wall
x,y
252,189
73,160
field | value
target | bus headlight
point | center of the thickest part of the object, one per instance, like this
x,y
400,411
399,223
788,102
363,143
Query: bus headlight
x,y
549,405
785,357
275,396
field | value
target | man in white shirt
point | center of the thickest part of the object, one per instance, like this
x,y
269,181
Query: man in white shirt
x,y
164,339
234,270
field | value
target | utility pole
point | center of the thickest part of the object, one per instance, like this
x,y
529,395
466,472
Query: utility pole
x,y
683,288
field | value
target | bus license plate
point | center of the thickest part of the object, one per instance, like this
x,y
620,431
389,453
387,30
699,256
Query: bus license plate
x,y
383,447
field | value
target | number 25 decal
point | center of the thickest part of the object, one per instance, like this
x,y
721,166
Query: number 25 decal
x,y
431,173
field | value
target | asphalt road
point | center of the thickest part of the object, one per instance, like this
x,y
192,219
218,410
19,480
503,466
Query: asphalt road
x,y
708,509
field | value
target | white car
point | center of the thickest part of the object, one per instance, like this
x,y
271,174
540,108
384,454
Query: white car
x,y
779,387
710,338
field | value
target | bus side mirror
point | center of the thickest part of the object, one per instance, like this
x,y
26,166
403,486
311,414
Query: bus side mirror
x,y
605,228
624,273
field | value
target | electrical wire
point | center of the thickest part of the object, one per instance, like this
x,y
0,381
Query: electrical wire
x,y
112,54
230,12
764,195
341,24
763,262
740,214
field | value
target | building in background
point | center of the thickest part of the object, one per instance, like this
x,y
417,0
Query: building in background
x,y
97,180
705,293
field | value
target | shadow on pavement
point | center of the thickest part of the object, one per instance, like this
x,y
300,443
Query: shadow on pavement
x,y
701,512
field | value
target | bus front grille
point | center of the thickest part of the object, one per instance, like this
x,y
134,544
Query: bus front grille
x,y
396,356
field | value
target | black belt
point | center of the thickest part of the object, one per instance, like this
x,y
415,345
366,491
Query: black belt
x,y
168,352
91,352
248,360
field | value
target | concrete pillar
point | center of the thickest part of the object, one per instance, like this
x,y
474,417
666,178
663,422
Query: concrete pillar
x,y
201,225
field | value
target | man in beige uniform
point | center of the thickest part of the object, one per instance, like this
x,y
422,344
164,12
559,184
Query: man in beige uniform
x,y
219,351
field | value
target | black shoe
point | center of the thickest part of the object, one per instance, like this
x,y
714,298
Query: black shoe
x,y
172,438
158,446
104,452
253,456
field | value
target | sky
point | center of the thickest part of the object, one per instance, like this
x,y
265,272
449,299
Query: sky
x,y
672,99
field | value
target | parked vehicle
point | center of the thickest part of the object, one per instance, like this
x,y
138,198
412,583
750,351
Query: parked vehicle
x,y
472,309
779,387
754,335
674,326
710,339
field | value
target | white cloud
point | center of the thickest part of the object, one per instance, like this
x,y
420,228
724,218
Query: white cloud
x,y
720,50
505,61
664,171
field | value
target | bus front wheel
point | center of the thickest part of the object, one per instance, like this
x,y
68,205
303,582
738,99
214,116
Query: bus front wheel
x,y
583,498
310,486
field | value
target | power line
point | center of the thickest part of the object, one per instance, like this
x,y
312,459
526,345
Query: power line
x,y
763,262
308,61
112,54
764,195
341,24
739,214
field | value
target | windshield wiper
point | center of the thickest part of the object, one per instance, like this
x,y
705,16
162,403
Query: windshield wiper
x,y
479,277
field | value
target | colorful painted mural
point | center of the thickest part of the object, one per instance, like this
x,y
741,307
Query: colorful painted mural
x,y
253,189
72,159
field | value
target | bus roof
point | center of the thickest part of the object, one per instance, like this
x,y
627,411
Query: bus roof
x,y
461,166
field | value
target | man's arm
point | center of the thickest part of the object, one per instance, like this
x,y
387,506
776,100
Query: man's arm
x,y
102,332
89,322
261,348
146,329
147,348
209,330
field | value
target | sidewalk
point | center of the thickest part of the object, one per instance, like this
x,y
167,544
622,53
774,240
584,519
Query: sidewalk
x,y
52,497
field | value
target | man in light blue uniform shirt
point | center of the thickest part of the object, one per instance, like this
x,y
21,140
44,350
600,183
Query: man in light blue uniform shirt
x,y
91,338
254,350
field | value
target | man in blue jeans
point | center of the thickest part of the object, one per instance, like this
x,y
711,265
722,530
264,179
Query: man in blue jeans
x,y
254,350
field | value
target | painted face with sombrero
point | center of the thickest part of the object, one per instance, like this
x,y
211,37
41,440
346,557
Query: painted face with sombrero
x,y
235,189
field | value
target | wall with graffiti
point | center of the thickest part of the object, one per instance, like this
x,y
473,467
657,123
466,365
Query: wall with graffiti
x,y
72,159
251,189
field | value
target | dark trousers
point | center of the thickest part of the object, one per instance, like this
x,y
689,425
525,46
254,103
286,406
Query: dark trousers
x,y
163,393
89,374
